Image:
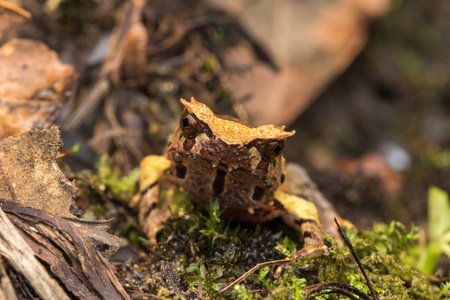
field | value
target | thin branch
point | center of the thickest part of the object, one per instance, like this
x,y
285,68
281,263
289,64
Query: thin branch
x,y
336,288
252,270
358,261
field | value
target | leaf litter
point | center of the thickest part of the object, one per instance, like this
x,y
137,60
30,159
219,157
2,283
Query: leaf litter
x,y
179,58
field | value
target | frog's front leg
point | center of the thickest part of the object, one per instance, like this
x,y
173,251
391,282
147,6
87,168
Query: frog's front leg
x,y
152,211
302,215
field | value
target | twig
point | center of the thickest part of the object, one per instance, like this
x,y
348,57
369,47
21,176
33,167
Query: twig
x,y
358,261
252,270
90,102
335,287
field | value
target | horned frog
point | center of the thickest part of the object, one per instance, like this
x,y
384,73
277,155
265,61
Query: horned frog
x,y
214,157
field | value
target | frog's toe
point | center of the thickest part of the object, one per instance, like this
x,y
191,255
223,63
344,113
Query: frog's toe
x,y
320,250
311,251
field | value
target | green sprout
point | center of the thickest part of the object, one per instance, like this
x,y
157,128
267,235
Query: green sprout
x,y
438,231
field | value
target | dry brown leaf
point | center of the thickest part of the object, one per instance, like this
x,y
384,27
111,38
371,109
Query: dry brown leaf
x,y
309,42
34,84
12,16
30,175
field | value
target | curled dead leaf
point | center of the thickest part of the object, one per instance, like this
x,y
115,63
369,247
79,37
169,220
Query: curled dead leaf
x,y
306,44
34,84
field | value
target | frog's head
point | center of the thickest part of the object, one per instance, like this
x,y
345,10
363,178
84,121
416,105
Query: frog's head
x,y
230,144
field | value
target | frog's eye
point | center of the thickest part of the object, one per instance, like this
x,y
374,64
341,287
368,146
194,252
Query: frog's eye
x,y
190,125
272,149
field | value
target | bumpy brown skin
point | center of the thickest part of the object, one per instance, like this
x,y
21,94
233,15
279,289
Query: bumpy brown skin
x,y
242,167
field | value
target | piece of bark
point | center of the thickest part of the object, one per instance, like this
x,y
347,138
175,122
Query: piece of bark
x,y
6,286
34,85
30,175
20,256
74,251
68,252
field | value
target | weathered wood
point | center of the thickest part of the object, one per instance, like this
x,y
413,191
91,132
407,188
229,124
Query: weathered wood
x,y
39,237
20,256
67,247
6,288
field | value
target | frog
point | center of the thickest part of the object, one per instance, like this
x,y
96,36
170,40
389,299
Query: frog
x,y
242,167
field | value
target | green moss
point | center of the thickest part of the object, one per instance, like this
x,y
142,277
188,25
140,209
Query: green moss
x,y
221,251
109,178
241,292
208,253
